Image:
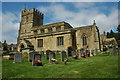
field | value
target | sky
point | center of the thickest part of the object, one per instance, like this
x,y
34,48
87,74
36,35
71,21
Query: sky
x,y
76,14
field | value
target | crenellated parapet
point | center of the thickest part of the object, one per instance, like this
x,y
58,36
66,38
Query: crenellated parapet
x,y
31,11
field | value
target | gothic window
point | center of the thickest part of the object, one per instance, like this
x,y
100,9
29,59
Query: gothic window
x,y
60,41
84,40
40,42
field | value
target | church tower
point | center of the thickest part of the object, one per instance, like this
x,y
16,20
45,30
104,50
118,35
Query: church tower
x,y
29,18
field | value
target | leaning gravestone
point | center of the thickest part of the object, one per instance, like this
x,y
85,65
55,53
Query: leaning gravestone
x,y
51,55
63,55
17,57
36,57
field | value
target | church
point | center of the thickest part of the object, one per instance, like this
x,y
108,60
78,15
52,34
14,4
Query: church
x,y
34,35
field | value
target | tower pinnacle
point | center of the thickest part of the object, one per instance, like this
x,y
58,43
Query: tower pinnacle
x,y
25,7
94,22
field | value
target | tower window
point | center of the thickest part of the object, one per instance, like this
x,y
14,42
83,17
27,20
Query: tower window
x,y
26,18
35,32
40,42
60,41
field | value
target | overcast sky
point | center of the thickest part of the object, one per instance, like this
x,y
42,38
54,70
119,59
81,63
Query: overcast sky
x,y
75,13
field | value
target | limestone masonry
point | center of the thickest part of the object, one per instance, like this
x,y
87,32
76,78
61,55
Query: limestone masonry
x,y
33,35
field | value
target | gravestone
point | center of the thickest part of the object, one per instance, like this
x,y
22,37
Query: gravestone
x,y
47,54
51,55
36,57
92,52
63,55
58,52
42,53
114,50
17,57
30,57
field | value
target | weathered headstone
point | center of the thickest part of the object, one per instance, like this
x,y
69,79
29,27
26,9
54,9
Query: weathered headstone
x,y
47,54
63,55
51,55
36,57
114,50
92,52
17,57
30,57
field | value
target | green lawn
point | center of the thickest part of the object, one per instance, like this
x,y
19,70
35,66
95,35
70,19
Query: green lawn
x,y
91,67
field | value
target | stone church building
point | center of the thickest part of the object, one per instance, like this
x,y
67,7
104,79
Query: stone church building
x,y
33,35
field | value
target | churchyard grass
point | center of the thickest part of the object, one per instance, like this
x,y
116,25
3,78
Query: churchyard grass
x,y
90,67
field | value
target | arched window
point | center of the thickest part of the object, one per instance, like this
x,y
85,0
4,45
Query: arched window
x,y
84,40
26,18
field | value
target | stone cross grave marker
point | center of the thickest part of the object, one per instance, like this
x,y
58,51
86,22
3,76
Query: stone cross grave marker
x,y
51,55
42,53
36,57
63,55
17,57
31,55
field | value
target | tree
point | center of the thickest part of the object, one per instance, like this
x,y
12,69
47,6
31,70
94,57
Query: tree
x,y
108,35
5,46
111,31
118,28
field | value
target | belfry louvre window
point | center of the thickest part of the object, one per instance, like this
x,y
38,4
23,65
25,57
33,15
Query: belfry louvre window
x,y
42,30
40,42
60,41
84,40
49,29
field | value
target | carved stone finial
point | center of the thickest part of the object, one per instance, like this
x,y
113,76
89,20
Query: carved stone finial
x,y
94,22
25,7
